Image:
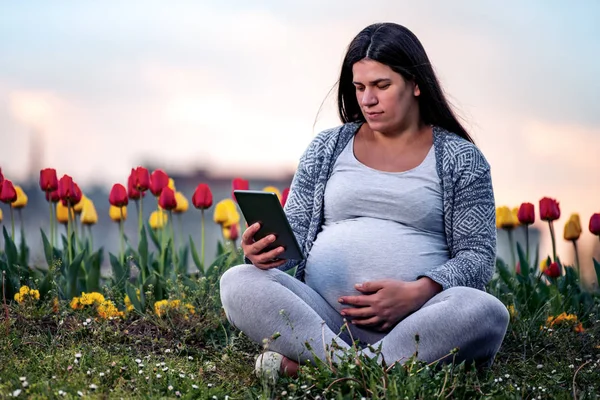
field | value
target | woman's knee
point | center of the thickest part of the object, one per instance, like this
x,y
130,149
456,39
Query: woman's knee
x,y
235,279
486,310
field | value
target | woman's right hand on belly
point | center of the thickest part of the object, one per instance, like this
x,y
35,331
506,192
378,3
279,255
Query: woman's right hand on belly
x,y
253,249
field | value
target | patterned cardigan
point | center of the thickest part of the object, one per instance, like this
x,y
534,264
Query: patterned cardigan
x,y
468,199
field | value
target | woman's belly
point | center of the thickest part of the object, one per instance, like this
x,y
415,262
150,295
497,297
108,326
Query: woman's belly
x,y
368,249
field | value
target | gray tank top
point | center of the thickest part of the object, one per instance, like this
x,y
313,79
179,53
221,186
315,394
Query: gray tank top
x,y
377,225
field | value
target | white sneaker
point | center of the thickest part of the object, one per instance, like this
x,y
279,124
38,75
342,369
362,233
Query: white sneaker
x,y
268,365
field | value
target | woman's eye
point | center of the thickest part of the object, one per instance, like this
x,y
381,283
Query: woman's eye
x,y
360,88
383,87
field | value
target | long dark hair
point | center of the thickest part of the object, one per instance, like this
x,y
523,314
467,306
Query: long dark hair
x,y
397,47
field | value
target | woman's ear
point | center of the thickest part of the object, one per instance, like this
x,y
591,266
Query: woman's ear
x,y
416,90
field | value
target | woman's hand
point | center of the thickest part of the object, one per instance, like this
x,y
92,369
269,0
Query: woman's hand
x,y
384,303
252,250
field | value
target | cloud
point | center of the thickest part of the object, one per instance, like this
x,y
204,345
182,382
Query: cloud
x,y
250,77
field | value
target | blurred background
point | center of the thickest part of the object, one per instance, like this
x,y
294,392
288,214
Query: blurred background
x,y
210,91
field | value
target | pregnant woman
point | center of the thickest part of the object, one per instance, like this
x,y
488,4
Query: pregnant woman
x,y
394,211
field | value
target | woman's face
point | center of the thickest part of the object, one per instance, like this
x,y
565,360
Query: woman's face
x,y
388,101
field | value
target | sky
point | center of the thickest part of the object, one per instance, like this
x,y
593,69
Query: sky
x,y
243,86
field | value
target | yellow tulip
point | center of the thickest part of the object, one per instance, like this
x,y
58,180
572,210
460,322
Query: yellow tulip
x,y
505,219
171,184
158,219
273,189
21,200
78,208
544,265
89,216
572,228
226,213
182,203
115,213
62,213
0,215
515,216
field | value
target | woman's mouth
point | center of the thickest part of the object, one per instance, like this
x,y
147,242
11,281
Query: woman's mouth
x,y
373,115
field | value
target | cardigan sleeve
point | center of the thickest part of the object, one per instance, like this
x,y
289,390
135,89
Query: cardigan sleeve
x,y
473,241
299,204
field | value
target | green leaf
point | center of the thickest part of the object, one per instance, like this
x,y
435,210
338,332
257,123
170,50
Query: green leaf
x,y
597,268
65,243
23,253
195,256
12,256
154,238
220,248
133,297
94,264
505,274
143,250
52,254
73,272
46,285
118,271
525,270
183,260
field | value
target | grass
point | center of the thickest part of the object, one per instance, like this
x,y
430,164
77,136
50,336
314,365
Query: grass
x,y
67,353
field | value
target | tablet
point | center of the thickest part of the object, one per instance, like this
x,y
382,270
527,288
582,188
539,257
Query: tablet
x,y
265,208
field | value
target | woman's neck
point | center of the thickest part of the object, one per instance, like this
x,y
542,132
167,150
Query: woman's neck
x,y
402,137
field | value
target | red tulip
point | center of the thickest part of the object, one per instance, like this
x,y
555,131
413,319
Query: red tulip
x,y
526,214
68,191
549,209
234,232
595,224
8,194
141,179
158,181
118,196
167,199
1,180
202,198
53,196
553,270
518,268
132,192
284,196
48,180
78,194
239,184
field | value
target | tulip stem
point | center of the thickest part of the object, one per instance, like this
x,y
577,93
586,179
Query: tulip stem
x,y
180,223
172,223
91,237
122,234
527,243
161,232
140,213
553,240
577,259
69,229
77,243
12,224
202,238
54,226
512,247
21,225
51,219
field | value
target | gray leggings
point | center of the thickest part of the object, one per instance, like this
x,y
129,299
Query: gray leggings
x,y
262,303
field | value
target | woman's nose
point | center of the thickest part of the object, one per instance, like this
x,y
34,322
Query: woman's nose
x,y
368,98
